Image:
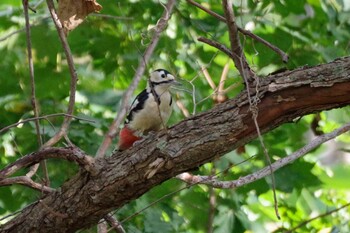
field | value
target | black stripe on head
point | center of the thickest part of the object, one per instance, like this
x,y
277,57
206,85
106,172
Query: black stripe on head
x,y
165,71
161,82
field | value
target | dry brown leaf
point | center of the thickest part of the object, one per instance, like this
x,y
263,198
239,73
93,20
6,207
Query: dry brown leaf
x,y
71,13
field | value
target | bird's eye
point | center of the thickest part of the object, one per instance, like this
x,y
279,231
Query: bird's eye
x,y
163,75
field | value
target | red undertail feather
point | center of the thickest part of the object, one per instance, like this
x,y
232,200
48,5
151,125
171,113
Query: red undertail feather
x,y
127,138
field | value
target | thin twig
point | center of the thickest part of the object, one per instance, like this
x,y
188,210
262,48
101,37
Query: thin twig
x,y
114,128
19,211
102,227
248,75
19,31
37,4
182,107
42,117
26,181
212,206
221,96
114,223
266,171
68,153
317,217
217,45
232,87
33,95
277,50
239,58
111,16
11,34
282,54
208,78
210,12
74,78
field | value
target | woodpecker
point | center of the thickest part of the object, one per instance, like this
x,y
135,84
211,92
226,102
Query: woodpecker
x,y
150,110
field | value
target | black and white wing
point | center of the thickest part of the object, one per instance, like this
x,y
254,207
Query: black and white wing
x,y
137,105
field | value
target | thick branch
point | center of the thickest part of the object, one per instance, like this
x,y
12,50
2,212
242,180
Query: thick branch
x,y
69,153
125,176
213,181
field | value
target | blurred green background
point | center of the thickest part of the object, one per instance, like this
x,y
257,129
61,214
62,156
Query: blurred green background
x,y
106,51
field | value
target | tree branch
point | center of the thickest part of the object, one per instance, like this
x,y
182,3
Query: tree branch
x,y
317,217
212,180
238,56
69,153
26,181
42,117
114,223
113,129
282,54
248,76
126,176
33,95
74,77
31,71
217,45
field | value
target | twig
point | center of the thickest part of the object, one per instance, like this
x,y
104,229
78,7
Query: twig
x,y
208,78
212,205
211,180
68,153
248,76
74,78
212,13
111,16
114,223
43,117
18,211
239,58
26,181
33,169
18,31
182,107
221,96
33,95
233,86
37,4
319,216
113,129
217,45
282,54
11,34
102,227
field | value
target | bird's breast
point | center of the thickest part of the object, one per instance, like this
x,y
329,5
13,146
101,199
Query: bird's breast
x,y
153,116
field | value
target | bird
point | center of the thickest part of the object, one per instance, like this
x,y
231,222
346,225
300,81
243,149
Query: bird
x,y
150,110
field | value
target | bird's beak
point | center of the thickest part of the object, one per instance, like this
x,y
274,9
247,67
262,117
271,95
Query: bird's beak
x,y
176,83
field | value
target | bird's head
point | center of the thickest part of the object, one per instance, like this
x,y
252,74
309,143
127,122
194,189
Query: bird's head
x,y
162,78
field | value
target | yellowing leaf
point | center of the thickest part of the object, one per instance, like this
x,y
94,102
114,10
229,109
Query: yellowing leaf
x,y
71,13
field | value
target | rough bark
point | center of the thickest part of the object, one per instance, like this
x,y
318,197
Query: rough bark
x,y
123,177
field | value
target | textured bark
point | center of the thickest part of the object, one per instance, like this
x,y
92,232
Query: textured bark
x,y
123,177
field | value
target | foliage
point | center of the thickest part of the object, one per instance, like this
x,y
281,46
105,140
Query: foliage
x,y
106,53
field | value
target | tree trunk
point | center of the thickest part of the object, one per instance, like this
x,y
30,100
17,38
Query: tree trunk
x,y
85,199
